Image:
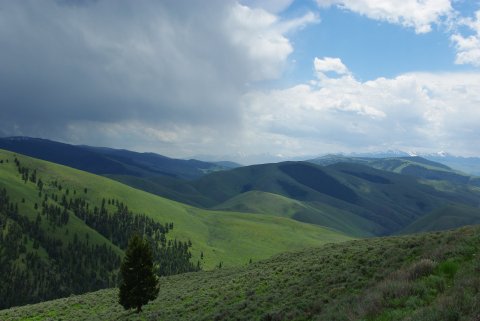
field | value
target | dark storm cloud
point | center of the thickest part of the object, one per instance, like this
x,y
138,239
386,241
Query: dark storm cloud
x,y
112,61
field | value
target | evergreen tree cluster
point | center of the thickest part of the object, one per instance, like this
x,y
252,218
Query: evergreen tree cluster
x,y
74,267
25,172
119,225
41,261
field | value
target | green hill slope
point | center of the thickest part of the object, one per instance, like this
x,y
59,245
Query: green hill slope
x,y
449,216
353,198
264,203
347,194
310,212
227,237
425,277
342,194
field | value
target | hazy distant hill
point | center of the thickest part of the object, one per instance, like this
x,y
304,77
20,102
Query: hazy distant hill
x,y
412,165
469,165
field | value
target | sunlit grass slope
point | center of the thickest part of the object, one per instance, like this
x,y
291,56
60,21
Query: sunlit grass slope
x,y
227,237
311,212
424,277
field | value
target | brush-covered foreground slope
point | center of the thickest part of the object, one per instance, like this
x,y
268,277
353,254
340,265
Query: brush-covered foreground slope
x,y
228,237
423,277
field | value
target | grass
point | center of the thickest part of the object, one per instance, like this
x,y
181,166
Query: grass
x,y
223,236
446,217
263,203
309,212
353,198
431,276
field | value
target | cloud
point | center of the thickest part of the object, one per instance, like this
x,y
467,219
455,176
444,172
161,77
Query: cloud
x,y
328,64
425,112
468,47
179,78
417,14
168,66
273,6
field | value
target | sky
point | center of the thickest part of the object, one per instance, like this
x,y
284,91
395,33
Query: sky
x,y
248,80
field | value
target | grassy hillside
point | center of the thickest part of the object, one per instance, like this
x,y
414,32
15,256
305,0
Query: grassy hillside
x,y
215,233
352,198
359,196
67,236
168,187
449,216
264,203
355,197
311,212
425,277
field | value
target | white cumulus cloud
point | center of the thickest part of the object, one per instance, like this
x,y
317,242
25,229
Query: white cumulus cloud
x,y
414,111
468,47
417,14
329,64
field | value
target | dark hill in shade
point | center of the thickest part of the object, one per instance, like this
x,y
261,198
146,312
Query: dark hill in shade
x,y
100,160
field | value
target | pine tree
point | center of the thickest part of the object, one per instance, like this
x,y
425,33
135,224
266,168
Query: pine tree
x,y
139,284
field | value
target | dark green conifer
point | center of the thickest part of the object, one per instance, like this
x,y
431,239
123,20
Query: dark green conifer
x,y
139,284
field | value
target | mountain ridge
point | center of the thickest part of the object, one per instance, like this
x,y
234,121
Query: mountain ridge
x,y
105,160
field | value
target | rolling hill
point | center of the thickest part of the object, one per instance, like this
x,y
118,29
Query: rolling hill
x,y
341,193
350,197
424,277
354,197
75,208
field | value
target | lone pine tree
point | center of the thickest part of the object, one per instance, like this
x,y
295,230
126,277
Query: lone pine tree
x,y
138,281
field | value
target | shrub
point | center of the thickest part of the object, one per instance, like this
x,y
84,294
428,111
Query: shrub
x,y
449,268
436,282
421,268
